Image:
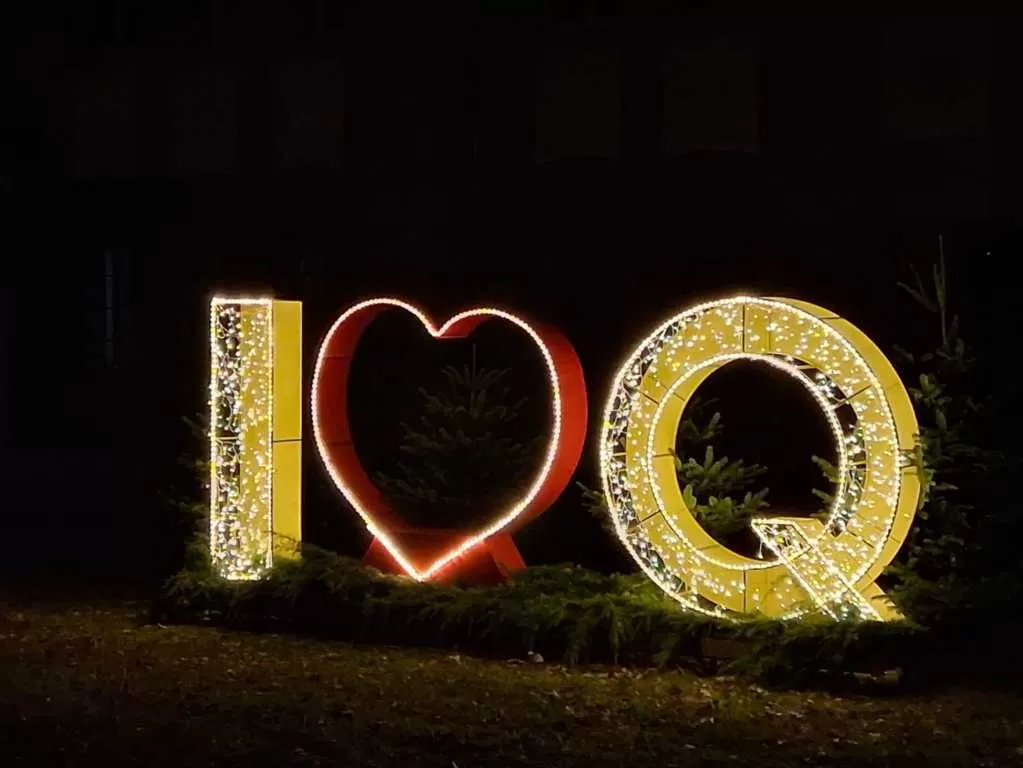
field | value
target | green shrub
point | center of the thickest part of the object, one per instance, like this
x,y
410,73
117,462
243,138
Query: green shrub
x,y
563,613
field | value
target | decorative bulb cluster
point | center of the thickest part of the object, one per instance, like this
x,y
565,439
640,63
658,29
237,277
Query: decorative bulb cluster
x,y
818,563
241,443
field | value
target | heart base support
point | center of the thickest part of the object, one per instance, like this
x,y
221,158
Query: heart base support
x,y
491,562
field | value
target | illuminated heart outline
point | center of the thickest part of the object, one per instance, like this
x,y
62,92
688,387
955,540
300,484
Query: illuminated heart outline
x,y
334,440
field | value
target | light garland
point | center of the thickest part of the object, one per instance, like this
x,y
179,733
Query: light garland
x,y
830,565
333,438
255,491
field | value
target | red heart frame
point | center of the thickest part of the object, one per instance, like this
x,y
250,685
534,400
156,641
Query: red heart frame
x,y
332,431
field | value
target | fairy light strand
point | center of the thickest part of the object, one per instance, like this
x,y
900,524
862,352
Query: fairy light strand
x,y
241,436
819,562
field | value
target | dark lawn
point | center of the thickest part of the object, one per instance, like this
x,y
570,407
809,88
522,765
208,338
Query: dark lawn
x,y
87,684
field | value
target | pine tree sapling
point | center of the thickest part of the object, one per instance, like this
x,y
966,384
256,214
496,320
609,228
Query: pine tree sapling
x,y
595,503
460,459
830,473
944,552
717,490
184,541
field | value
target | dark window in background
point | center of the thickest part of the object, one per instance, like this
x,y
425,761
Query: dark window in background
x,y
579,102
710,97
937,77
312,120
937,91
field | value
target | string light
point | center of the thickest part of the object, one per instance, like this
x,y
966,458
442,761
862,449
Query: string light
x,y
830,565
241,436
564,445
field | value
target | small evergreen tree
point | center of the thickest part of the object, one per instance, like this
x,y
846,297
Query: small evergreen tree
x,y
461,459
183,528
955,556
947,559
719,491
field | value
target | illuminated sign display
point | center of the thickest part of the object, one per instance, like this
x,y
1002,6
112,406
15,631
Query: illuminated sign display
x,y
820,565
255,433
828,566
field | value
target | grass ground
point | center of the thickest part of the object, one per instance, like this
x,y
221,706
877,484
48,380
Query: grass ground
x,y
90,684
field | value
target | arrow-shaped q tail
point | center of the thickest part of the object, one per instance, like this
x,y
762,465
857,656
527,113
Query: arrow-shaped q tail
x,y
794,541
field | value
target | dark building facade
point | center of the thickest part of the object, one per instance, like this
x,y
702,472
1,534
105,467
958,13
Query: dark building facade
x,y
328,151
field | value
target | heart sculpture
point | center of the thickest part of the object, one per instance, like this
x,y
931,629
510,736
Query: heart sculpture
x,y
426,554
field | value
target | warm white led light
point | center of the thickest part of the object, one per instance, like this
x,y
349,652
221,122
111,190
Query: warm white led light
x,y
505,517
241,436
831,564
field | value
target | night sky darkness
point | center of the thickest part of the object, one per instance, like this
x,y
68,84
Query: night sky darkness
x,y
593,170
